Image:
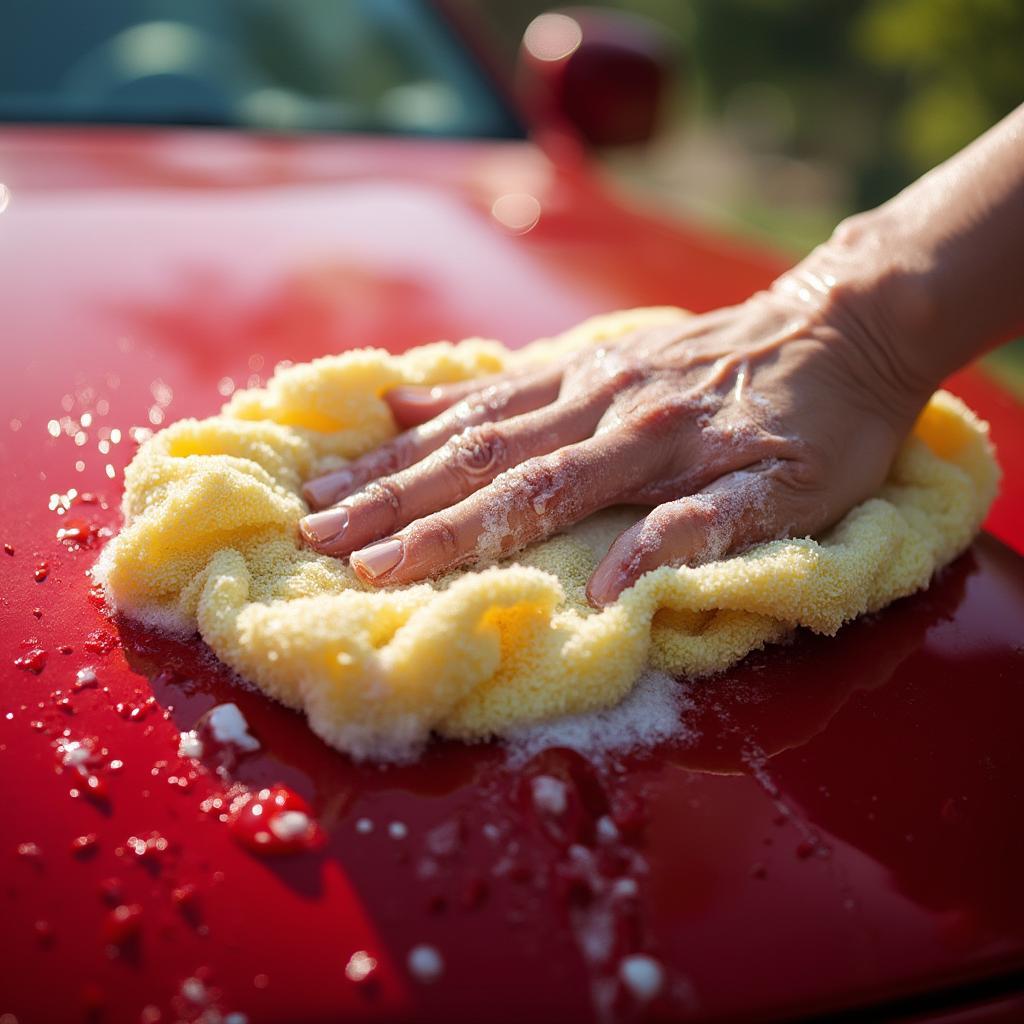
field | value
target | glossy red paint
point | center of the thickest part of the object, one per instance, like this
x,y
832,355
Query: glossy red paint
x,y
840,829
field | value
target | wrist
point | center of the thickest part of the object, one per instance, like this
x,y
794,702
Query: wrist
x,y
872,294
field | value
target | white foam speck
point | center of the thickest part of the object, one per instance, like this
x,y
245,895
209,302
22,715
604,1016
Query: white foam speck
x,y
190,745
228,725
425,963
289,825
364,826
549,794
652,714
195,991
398,830
625,888
642,975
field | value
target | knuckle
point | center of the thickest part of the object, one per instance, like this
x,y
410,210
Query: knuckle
x,y
545,491
655,418
496,397
478,451
386,494
435,535
700,515
623,376
804,471
541,476
390,458
851,230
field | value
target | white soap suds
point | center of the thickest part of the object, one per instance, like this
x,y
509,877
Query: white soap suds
x,y
642,975
549,794
228,726
190,745
445,840
195,991
398,830
364,826
288,825
360,966
425,963
650,715
73,753
625,888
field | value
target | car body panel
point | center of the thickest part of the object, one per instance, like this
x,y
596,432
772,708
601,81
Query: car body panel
x,y
838,828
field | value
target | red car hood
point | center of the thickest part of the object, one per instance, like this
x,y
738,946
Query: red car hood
x,y
841,830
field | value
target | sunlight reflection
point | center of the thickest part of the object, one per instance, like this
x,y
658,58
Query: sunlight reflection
x,y
517,211
552,36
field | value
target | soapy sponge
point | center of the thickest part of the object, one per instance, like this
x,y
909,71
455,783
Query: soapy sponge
x,y
211,543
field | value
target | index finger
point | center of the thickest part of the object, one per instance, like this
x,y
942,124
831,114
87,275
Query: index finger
x,y
497,401
523,505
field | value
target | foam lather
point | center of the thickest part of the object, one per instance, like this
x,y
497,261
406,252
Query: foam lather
x,y
211,543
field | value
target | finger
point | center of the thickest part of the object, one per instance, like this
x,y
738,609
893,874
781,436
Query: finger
x,y
465,463
523,505
737,510
497,401
412,405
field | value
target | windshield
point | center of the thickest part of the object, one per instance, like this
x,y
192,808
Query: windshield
x,y
278,65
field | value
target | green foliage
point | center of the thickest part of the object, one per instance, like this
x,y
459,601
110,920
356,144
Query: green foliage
x,y
962,65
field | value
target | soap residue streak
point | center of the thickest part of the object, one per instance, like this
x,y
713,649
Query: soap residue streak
x,y
652,714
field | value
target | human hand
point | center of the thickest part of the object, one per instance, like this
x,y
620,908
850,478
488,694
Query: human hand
x,y
764,420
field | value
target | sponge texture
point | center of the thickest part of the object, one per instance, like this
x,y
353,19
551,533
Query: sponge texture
x,y
210,543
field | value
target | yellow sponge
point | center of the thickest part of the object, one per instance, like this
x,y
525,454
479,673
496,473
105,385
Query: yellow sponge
x,y
210,542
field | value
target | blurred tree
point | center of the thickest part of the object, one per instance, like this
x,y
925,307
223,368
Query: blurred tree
x,y
876,90
962,65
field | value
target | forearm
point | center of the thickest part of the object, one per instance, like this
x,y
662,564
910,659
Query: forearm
x,y
936,274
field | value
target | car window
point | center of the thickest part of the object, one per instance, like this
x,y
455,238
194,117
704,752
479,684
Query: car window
x,y
280,65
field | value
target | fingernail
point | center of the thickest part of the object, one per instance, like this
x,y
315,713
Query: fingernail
x,y
415,396
323,527
327,489
605,586
377,559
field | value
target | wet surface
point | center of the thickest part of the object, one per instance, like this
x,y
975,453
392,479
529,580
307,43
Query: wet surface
x,y
837,818
837,824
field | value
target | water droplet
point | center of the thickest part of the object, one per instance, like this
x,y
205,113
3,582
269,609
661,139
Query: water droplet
x,y
85,845
267,822
151,848
100,641
85,678
123,925
33,661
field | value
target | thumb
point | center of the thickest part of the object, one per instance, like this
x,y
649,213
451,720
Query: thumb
x,y
739,509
